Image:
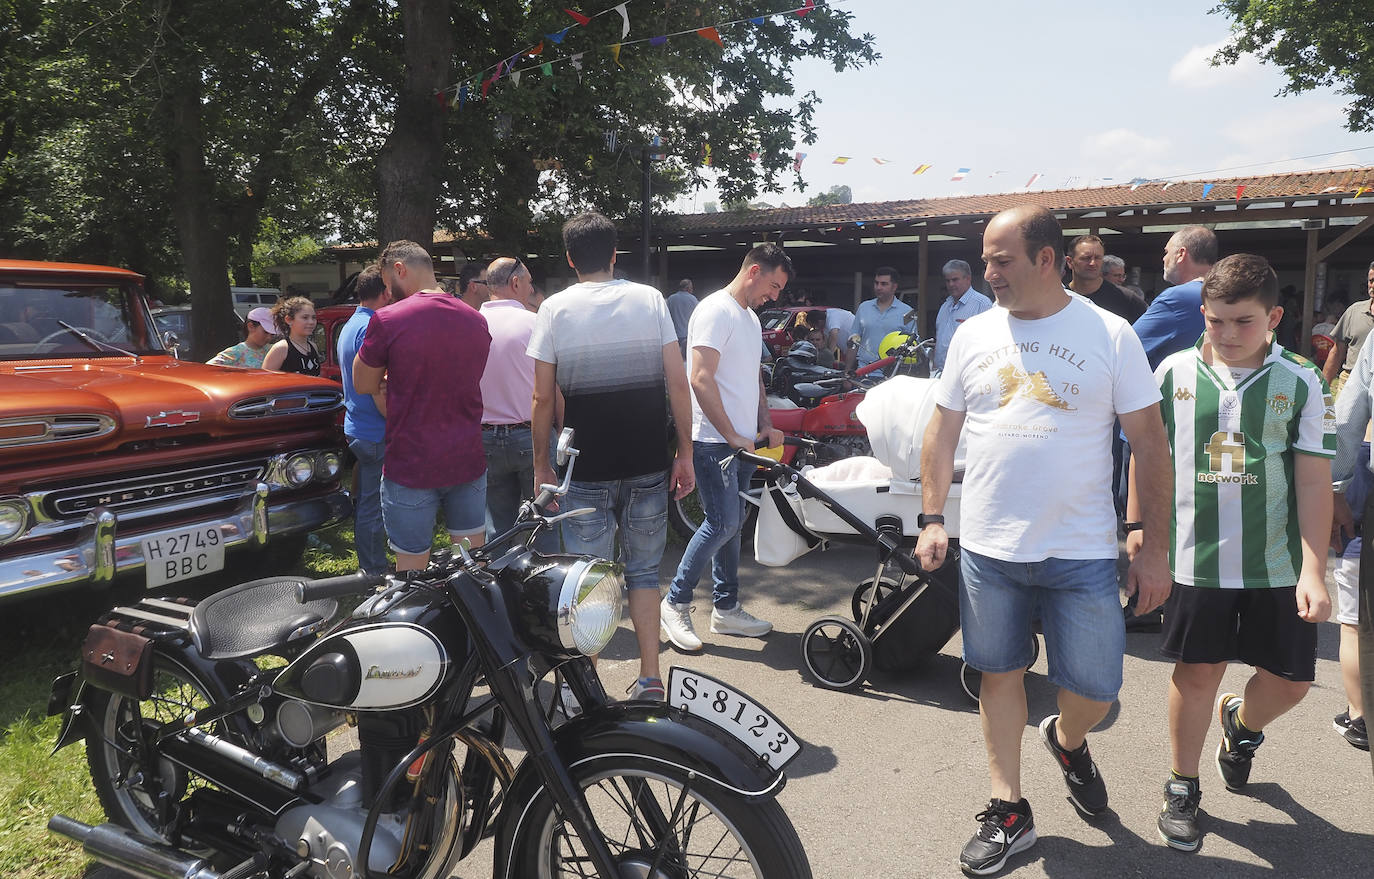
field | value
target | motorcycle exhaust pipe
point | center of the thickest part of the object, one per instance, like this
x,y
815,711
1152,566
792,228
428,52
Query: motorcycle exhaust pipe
x,y
116,847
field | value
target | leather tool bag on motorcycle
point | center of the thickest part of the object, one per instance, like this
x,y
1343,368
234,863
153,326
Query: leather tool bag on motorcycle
x,y
118,661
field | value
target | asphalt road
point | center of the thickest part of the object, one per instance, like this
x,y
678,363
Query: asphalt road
x,y
891,776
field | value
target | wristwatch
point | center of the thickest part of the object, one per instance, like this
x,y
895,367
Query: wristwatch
x,y
1134,526
924,519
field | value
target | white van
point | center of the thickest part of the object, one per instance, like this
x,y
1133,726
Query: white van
x,y
248,298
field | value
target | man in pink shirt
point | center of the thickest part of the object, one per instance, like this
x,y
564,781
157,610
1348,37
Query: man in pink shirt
x,y
432,349
507,392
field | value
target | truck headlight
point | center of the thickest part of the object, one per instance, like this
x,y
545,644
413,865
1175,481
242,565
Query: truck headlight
x,y
299,469
14,519
327,466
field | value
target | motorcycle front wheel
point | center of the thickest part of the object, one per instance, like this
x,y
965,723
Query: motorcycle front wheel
x,y
659,824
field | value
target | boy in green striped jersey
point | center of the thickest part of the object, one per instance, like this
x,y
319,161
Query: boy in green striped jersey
x,y
1252,430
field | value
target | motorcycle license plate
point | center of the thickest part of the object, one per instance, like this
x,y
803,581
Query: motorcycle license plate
x,y
721,704
183,554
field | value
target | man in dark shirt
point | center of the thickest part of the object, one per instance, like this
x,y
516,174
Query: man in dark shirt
x,y
432,348
1084,262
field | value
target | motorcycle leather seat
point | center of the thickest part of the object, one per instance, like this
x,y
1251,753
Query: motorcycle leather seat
x,y
256,617
787,420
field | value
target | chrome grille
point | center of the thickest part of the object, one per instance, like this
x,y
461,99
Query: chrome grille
x,y
152,489
287,403
40,429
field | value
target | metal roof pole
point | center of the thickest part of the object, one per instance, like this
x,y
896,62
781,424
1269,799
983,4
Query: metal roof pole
x,y
922,270
1309,295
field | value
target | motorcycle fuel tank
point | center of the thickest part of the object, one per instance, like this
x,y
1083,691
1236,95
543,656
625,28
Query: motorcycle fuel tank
x,y
368,668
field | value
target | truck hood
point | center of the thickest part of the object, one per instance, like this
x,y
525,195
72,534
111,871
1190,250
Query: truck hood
x,y
100,404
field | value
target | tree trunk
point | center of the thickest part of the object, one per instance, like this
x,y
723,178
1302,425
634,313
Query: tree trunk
x,y
409,167
200,228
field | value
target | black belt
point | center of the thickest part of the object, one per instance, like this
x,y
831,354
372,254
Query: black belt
x,y
507,426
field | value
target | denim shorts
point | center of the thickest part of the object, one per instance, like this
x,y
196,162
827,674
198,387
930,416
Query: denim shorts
x,y
1079,607
636,509
409,513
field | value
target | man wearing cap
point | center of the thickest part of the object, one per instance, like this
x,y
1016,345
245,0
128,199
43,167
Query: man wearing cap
x,y
365,425
260,331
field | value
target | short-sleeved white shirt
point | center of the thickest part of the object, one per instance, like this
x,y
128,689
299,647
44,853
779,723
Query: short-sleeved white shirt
x,y
721,323
1040,398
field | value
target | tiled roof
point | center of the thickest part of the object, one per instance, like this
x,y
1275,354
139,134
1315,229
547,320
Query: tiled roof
x,y
1152,194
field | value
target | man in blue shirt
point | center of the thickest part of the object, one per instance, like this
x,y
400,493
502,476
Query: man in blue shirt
x,y
1173,321
962,303
365,425
876,317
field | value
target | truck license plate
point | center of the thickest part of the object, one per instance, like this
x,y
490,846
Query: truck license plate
x,y
716,701
183,554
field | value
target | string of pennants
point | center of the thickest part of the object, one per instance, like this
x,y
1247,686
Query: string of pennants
x,y
538,56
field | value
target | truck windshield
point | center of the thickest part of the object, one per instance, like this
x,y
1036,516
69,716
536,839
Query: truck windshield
x,y
32,318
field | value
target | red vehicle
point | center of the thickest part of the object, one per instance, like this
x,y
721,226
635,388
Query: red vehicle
x,y
118,460
329,320
775,323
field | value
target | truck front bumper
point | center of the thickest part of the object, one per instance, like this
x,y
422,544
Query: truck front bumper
x,y
101,553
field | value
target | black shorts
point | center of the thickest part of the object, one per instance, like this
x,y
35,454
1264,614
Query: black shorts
x,y
1259,627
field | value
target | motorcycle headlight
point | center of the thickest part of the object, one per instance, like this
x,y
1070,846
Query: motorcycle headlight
x,y
589,605
570,605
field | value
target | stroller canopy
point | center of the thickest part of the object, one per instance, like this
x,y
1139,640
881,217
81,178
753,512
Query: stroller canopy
x,y
895,414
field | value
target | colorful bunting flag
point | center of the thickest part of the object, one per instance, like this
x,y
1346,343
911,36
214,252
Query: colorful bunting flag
x,y
760,20
657,144
1207,189
579,17
710,33
706,155
1359,192
921,169
797,161
754,156
878,161
462,95
557,39
807,6
1033,179
577,60
443,100
625,18
1167,185
537,50
611,141
657,41
959,175
615,53
841,160
1239,189
486,84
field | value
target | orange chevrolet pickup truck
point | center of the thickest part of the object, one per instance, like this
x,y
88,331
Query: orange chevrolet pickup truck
x,y
118,460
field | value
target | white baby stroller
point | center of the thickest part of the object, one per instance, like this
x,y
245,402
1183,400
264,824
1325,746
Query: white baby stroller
x,y
902,615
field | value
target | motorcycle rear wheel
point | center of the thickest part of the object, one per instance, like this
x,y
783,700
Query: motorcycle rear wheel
x,y
124,785
686,515
713,835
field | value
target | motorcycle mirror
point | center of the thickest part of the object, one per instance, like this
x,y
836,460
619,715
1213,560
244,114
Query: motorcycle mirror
x,y
565,446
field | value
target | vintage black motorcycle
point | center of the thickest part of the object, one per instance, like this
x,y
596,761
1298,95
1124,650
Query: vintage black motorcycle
x,y
209,755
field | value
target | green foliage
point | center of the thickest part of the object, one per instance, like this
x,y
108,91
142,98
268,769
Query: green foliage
x,y
1315,44
835,195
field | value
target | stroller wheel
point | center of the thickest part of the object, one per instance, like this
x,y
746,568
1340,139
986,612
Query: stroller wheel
x,y
860,601
971,679
837,654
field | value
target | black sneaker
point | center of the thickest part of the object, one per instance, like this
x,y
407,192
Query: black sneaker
x,y
1237,746
1005,829
1354,731
1178,817
1087,791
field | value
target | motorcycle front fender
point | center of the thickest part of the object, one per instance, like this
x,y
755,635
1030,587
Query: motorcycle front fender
x,y
642,731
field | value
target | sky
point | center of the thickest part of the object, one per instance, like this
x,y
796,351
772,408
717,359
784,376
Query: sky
x,y
1076,92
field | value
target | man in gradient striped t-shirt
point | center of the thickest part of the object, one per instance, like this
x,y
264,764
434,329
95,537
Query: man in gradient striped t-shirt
x,y
1252,428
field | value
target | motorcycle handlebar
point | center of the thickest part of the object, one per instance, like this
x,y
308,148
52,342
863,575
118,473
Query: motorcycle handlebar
x,y
333,587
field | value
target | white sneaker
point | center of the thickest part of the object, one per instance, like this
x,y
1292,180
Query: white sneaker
x,y
738,621
675,621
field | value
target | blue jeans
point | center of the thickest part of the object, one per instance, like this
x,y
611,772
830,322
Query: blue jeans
x,y
1079,608
369,537
717,540
510,479
410,513
636,508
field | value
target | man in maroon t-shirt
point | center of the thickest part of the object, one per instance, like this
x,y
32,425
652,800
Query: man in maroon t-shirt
x,y
432,348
